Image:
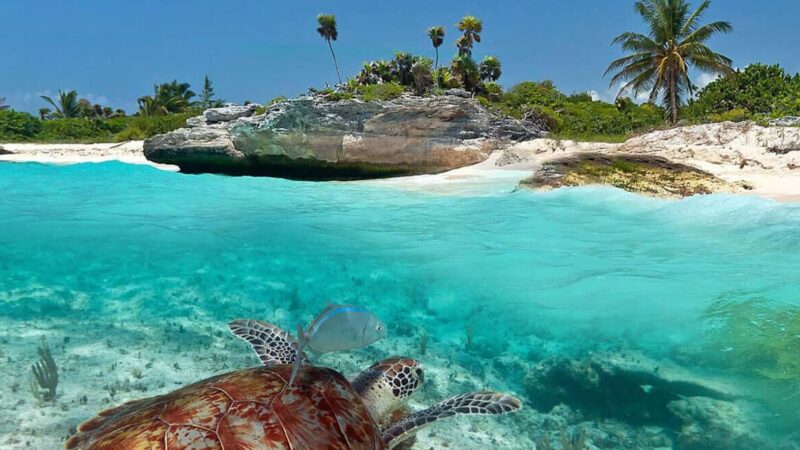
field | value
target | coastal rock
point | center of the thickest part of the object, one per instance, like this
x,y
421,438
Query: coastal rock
x,y
710,423
5,152
229,113
211,146
311,138
644,174
789,121
646,394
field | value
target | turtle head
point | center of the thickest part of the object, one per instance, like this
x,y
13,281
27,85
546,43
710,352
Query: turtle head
x,y
387,384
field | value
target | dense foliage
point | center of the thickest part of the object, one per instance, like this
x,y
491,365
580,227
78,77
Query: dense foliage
x,y
577,115
19,127
70,118
758,91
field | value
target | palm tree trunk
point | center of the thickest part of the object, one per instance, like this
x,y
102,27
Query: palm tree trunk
x,y
334,61
673,98
436,65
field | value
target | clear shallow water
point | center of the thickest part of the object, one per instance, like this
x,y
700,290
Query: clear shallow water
x,y
528,275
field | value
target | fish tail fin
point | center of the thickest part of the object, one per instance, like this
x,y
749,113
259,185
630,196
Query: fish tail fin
x,y
301,336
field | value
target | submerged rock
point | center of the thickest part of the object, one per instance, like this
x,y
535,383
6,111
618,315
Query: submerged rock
x,y
644,174
311,138
633,390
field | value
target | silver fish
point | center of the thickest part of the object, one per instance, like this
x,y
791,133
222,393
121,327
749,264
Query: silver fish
x,y
339,328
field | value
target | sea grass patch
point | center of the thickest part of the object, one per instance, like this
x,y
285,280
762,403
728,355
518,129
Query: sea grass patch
x,y
643,174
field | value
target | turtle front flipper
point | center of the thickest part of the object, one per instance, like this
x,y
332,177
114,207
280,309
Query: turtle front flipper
x,y
272,344
481,403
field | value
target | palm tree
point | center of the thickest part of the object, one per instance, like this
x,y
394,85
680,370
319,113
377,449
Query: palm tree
x,y
659,61
168,98
437,38
466,72
44,113
3,104
67,105
471,26
327,29
401,67
149,107
490,69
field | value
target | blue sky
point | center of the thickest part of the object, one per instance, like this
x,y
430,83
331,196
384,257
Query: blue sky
x,y
113,51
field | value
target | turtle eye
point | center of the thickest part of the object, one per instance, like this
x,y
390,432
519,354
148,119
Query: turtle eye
x,y
378,327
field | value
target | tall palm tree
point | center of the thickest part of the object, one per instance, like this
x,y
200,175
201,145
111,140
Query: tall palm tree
x,y
490,69
659,60
3,104
327,29
472,27
437,38
67,105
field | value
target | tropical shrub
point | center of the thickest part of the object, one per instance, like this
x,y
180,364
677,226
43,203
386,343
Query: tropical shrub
x,y
385,91
758,90
16,126
422,76
70,129
444,78
143,127
466,71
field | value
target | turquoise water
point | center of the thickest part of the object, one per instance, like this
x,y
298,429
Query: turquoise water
x,y
530,275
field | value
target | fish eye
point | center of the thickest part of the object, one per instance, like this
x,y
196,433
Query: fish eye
x,y
378,327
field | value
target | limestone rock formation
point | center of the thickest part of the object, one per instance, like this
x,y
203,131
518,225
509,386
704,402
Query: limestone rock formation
x,y
311,138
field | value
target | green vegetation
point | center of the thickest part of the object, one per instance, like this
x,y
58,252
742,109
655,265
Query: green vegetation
x,y
168,98
44,381
385,91
756,336
575,116
327,29
207,99
18,126
73,119
755,93
659,61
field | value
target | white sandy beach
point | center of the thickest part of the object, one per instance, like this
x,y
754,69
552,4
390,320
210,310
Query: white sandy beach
x,y
129,152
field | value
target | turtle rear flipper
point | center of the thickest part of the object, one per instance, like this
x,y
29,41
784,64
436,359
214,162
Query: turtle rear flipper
x,y
481,403
272,344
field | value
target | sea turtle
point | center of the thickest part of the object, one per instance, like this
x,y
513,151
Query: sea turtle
x,y
254,408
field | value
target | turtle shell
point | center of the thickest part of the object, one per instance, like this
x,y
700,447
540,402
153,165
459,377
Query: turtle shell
x,y
248,409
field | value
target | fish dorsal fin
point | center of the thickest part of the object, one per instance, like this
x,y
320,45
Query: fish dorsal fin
x,y
321,317
272,344
481,403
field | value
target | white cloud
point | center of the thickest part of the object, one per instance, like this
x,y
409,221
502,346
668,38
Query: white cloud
x,y
705,79
610,94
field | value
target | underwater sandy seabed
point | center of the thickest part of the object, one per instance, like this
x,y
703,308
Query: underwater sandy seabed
x,y
616,319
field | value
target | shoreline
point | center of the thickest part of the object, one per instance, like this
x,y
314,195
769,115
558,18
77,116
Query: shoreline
x,y
128,152
770,175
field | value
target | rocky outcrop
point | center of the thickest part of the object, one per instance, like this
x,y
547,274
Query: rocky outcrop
x,y
311,138
741,156
5,152
643,174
